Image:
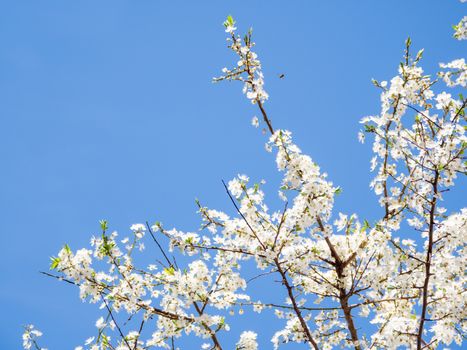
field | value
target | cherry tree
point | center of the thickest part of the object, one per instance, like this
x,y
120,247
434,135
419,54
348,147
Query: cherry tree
x,y
396,282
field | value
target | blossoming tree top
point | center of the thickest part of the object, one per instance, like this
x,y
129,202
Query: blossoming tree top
x,y
396,282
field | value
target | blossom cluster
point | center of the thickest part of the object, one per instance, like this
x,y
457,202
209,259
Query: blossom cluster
x,y
461,29
419,142
248,68
30,336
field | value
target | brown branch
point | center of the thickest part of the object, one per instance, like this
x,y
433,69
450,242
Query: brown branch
x,y
241,214
217,345
115,322
305,328
158,245
429,253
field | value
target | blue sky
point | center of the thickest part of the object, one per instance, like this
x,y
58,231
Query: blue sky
x,y
108,111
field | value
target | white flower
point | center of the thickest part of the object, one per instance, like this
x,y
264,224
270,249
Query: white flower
x,y
29,337
247,341
341,222
230,29
138,230
455,73
282,196
255,121
408,242
374,163
361,137
461,29
258,307
444,100
100,323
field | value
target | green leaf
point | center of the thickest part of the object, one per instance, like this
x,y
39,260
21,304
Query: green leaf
x,y
369,128
107,246
105,340
54,263
170,271
229,21
419,55
67,248
104,225
366,225
221,324
408,42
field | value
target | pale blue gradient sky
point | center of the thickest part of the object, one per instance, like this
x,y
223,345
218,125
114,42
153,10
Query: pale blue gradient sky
x,y
108,111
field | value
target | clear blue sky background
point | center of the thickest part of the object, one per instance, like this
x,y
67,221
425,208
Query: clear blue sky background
x,y
108,111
